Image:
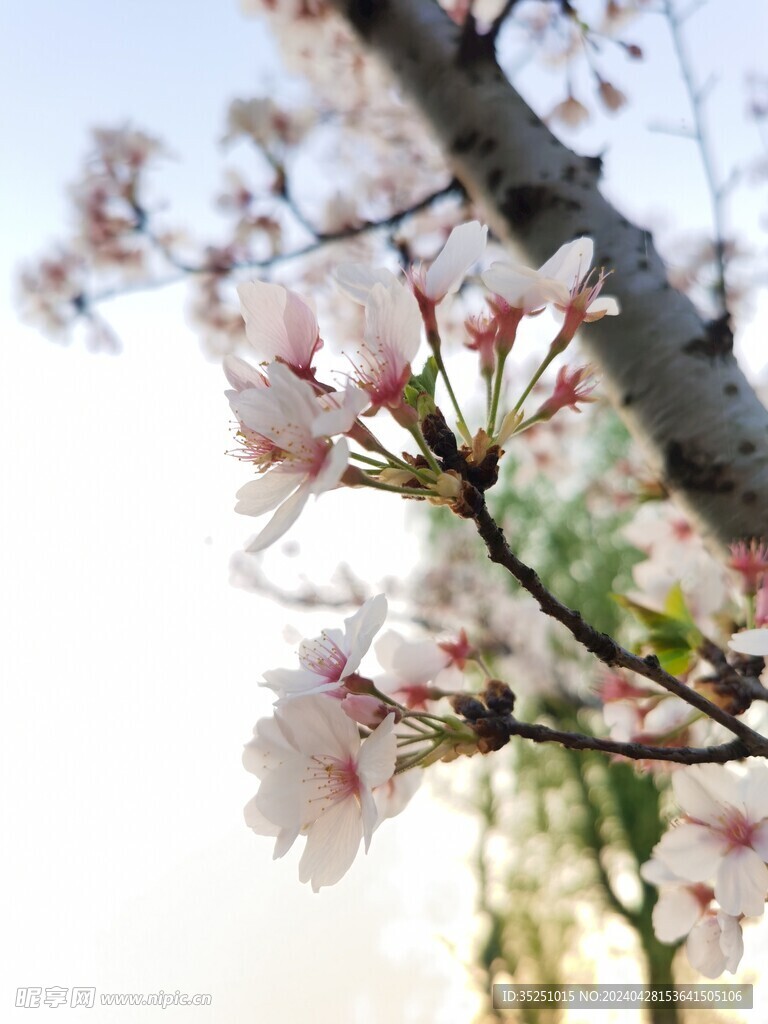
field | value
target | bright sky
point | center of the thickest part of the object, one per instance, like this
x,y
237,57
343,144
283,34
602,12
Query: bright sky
x,y
131,666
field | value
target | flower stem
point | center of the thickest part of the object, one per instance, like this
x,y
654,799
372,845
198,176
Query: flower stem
x,y
460,421
494,404
371,462
535,378
367,482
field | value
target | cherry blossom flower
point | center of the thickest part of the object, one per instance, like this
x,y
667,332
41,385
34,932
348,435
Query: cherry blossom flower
x,y
724,836
318,778
680,905
286,426
330,658
715,942
482,330
572,387
659,719
465,246
676,556
411,665
560,281
751,561
279,325
261,120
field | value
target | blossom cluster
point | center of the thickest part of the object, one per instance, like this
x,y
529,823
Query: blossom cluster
x,y
332,758
108,238
711,867
297,430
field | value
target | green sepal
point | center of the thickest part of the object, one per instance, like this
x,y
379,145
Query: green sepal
x,y
422,384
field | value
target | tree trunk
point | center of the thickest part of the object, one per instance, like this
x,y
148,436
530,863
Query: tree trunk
x,y
671,375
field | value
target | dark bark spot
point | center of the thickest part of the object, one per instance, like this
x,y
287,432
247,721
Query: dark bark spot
x,y
731,389
494,178
569,174
594,164
463,143
746,448
717,342
627,399
691,469
487,146
522,205
749,497
642,263
474,47
362,14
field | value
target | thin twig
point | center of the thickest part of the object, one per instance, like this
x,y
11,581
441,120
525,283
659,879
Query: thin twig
x,y
697,97
735,750
453,187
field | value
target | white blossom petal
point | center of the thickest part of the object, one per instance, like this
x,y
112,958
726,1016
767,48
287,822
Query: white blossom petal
x,y
465,246
242,375
731,941
657,872
703,948
392,797
377,758
604,306
317,726
570,263
332,845
355,280
750,641
742,882
360,630
281,521
343,409
278,323
760,839
522,287
392,322
266,492
677,910
703,789
692,851
267,748
333,468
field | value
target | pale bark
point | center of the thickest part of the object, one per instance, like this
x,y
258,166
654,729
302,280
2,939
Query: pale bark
x,y
671,375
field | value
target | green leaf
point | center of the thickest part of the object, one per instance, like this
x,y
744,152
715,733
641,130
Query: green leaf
x,y
672,634
427,379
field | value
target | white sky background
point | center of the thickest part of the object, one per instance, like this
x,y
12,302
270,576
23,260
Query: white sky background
x,y
130,665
